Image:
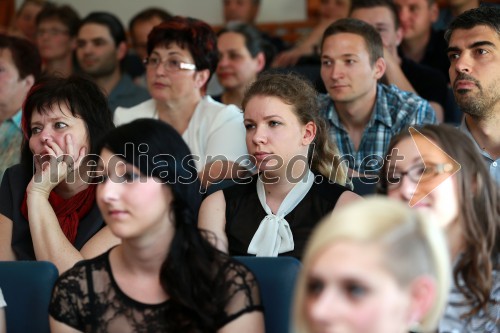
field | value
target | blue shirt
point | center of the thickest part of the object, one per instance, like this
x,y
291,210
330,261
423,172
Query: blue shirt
x,y
11,138
126,94
394,110
494,165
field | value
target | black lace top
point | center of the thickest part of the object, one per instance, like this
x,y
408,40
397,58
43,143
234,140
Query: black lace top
x,y
88,298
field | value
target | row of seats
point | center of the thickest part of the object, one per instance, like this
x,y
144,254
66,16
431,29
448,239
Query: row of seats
x,y
27,288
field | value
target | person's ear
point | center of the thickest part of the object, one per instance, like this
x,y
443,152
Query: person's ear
x,y
309,133
201,78
423,293
379,68
72,43
29,81
121,51
261,61
399,36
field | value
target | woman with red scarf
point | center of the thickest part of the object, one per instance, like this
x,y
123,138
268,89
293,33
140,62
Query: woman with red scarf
x,y
47,202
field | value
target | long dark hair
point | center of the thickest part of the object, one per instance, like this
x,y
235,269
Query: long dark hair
x,y
189,274
479,213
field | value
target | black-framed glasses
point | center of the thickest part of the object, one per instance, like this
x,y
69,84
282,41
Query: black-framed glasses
x,y
417,173
169,64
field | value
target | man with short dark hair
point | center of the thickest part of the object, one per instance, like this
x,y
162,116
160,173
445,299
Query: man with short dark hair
x,y
363,114
141,25
101,46
406,74
421,43
474,52
139,28
21,66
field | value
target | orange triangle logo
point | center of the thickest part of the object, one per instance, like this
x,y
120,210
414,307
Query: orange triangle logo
x,y
446,170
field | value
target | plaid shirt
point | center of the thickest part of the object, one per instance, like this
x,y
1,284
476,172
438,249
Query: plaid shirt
x,y
394,110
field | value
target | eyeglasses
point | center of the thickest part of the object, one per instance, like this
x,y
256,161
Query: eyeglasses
x,y
417,173
171,65
51,32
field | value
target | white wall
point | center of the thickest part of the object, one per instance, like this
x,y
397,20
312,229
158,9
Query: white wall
x,y
207,10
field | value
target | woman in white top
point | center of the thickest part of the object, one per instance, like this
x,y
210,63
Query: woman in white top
x,y
182,55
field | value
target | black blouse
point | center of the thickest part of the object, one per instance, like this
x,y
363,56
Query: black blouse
x,y
244,214
88,298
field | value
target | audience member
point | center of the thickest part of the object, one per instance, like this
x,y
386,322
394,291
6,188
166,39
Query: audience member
x,y
451,9
164,276
300,178
474,53
20,67
243,54
139,28
406,74
141,25
56,32
182,56
246,11
47,203
363,114
331,11
374,266
421,43
439,171
24,24
243,11
101,47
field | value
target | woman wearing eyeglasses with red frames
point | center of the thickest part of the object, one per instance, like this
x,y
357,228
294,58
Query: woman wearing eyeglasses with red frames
x,y
438,169
182,56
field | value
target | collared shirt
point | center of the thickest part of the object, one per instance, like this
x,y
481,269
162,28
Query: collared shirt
x,y
11,138
126,94
393,111
494,165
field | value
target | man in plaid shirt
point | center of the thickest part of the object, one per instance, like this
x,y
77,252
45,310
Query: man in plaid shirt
x,y
363,114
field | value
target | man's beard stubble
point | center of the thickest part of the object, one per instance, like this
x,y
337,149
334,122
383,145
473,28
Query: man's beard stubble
x,y
478,105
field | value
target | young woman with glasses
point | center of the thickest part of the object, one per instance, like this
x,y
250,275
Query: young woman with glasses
x,y
438,169
182,56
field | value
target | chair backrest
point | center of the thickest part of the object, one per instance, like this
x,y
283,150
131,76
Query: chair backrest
x,y
276,277
27,288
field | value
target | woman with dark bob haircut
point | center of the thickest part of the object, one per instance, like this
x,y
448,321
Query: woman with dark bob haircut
x,y
47,202
164,276
182,56
455,186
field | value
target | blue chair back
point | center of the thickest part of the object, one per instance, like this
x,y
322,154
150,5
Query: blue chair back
x,y
27,288
276,277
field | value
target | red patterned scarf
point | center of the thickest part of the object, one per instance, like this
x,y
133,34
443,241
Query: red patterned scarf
x,y
70,211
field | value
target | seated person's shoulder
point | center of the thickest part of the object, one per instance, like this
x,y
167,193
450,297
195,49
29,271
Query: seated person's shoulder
x,y
125,115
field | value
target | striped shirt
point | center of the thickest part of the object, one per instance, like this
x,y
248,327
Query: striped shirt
x,y
394,110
